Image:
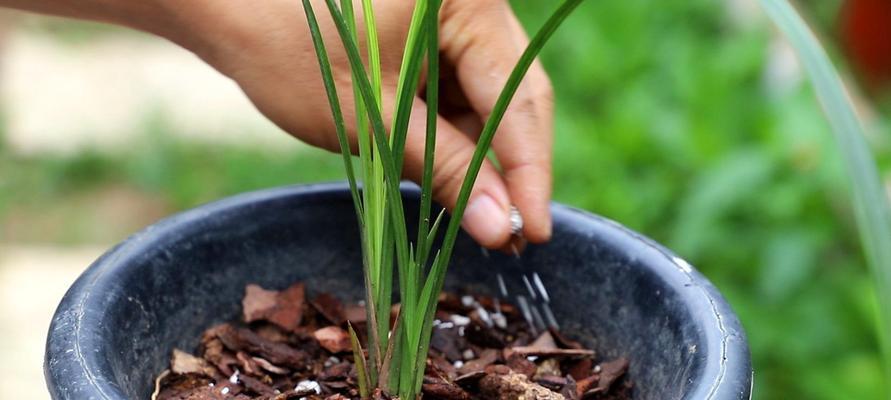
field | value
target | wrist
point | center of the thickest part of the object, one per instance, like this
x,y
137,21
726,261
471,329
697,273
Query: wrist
x,y
149,16
210,29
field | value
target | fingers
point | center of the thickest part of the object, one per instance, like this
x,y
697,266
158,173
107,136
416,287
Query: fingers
x,y
486,217
484,41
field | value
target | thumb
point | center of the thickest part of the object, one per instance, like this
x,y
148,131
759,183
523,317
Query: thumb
x,y
486,217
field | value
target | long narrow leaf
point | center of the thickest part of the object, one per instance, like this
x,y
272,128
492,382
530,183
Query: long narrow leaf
x,y
409,74
334,102
432,114
429,301
386,367
394,352
374,54
359,361
384,297
378,273
378,187
406,89
361,120
431,238
871,204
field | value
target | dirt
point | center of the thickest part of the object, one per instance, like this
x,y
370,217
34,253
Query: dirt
x,y
289,347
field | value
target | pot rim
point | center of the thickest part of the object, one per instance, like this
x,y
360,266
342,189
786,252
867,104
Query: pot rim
x,y
71,360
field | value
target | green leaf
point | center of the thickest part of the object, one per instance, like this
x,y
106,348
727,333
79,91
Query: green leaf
x,y
374,54
870,201
409,74
391,370
430,139
359,361
384,298
429,301
431,238
334,102
365,152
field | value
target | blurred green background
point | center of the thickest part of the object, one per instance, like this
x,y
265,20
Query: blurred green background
x,y
675,118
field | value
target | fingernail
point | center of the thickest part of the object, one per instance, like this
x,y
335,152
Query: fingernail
x,y
485,220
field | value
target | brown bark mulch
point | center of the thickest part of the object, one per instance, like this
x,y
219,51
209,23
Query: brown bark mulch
x,y
290,347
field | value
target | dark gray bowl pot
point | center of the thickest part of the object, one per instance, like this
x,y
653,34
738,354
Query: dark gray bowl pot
x,y
619,291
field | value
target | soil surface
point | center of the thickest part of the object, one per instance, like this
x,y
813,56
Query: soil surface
x,y
288,346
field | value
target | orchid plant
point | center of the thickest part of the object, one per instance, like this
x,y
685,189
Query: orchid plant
x,y
397,356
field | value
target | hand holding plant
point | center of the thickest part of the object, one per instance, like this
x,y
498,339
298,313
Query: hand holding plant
x,y
480,43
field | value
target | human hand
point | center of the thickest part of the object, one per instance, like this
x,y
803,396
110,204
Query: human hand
x,y
266,48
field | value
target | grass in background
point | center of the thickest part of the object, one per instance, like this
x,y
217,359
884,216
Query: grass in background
x,y
664,124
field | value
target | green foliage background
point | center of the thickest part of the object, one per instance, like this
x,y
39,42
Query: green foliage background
x,y
667,123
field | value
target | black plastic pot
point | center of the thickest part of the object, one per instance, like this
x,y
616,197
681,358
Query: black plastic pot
x,y
621,292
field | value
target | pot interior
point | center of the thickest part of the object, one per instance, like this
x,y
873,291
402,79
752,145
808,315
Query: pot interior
x,y
621,294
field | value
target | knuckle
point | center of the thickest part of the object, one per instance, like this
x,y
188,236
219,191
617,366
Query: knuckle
x,y
536,90
450,7
532,169
525,104
469,17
